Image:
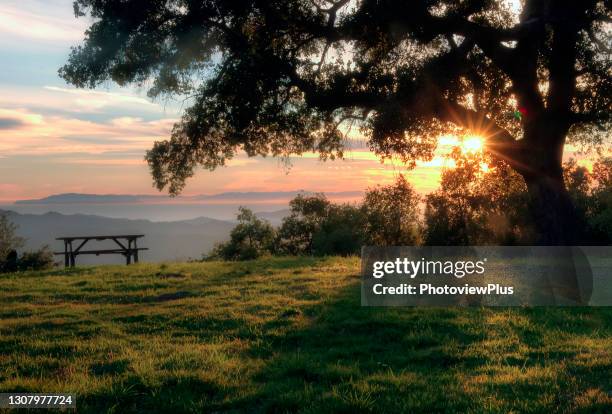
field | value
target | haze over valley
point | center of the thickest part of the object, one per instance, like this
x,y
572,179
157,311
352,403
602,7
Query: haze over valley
x,y
180,228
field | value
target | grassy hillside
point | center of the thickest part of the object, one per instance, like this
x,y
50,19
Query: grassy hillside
x,y
288,335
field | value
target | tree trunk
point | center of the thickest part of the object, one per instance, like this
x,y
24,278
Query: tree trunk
x,y
554,216
555,221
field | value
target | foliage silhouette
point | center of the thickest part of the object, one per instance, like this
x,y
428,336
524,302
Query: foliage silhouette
x,y
285,77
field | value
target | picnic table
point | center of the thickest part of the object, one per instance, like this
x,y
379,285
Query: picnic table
x,y
127,246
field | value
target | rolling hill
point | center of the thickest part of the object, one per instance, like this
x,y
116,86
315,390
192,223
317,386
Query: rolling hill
x,y
175,240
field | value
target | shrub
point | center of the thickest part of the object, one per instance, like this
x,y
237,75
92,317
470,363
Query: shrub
x,y
318,227
9,263
250,239
391,214
340,233
476,206
9,241
600,215
36,260
296,234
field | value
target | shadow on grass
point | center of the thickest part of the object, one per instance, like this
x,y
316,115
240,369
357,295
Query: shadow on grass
x,y
172,395
354,359
58,271
415,360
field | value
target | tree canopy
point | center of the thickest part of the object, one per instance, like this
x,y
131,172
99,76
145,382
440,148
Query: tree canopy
x,y
280,77
392,214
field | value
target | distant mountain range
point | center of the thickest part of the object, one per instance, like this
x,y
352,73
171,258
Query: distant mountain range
x,y
172,240
78,198
171,231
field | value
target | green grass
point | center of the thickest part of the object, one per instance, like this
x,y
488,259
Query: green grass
x,y
288,335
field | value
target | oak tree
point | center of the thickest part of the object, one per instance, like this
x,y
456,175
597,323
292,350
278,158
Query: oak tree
x,y
285,77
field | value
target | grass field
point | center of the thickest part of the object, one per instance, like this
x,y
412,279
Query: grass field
x,y
288,335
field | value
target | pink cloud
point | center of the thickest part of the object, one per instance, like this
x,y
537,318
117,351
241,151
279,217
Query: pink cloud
x,y
45,134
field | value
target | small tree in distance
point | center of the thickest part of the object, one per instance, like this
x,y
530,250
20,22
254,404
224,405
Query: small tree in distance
x,y
307,213
477,207
9,241
602,219
387,216
341,232
250,239
391,214
317,226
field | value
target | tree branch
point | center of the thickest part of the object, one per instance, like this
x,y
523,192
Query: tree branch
x,y
586,117
498,141
487,38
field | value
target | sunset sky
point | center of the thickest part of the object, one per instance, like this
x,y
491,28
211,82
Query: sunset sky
x,y
58,139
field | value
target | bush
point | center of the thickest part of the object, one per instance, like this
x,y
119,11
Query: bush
x,y
318,227
474,206
9,241
9,263
296,234
36,260
340,233
250,239
600,214
391,215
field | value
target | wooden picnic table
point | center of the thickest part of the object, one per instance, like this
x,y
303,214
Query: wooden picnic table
x,y
127,246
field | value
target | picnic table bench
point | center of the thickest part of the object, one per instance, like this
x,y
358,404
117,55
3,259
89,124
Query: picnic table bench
x,y
126,246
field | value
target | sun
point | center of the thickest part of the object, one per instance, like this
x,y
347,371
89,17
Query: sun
x,y
472,144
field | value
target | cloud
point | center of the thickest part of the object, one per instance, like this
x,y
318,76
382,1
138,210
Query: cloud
x,y
8,192
94,100
47,135
108,162
40,21
10,123
97,106
241,161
